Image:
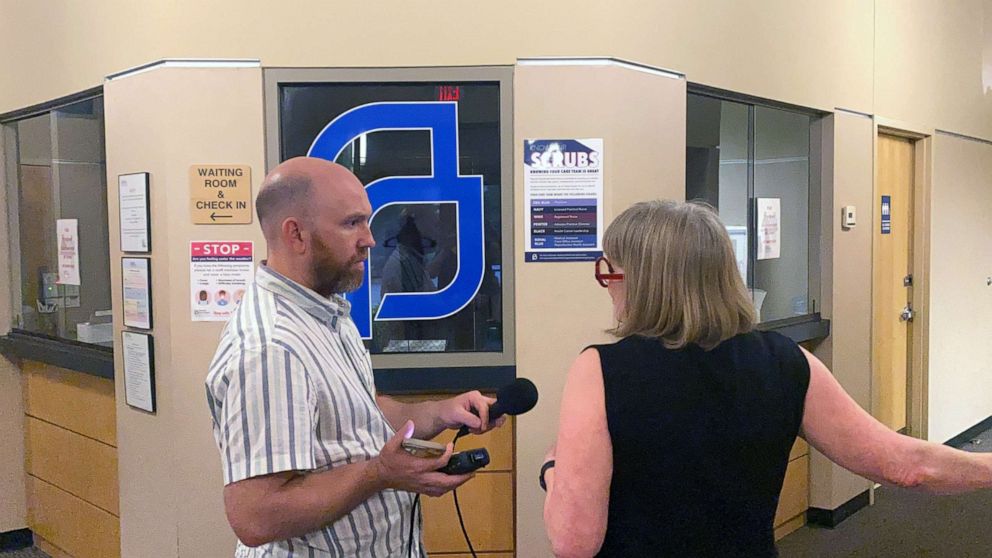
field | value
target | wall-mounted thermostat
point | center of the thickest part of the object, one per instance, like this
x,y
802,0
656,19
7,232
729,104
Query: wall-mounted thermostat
x,y
849,217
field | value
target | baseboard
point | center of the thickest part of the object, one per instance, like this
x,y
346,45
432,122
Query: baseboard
x,y
969,435
16,540
833,518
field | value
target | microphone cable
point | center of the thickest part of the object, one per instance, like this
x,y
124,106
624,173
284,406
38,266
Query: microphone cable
x,y
413,519
458,511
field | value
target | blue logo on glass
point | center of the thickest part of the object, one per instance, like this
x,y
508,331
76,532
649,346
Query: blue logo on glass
x,y
444,185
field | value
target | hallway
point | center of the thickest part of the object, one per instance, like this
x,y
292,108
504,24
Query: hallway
x,y
903,524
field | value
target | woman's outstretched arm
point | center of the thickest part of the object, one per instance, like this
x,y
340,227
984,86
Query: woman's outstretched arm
x,y
836,426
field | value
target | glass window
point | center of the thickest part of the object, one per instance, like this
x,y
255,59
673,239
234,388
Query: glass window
x,y
416,249
738,153
781,171
56,170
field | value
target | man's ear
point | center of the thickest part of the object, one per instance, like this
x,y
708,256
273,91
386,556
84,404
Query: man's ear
x,y
294,237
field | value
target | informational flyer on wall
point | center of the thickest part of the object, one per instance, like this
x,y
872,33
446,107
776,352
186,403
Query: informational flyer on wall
x,y
135,225
563,197
137,288
139,370
769,228
886,214
219,274
68,248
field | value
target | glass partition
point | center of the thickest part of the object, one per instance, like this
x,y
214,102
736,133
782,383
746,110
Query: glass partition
x,y
740,154
56,170
781,171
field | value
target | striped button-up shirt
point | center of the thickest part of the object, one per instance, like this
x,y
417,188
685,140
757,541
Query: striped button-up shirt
x,y
290,388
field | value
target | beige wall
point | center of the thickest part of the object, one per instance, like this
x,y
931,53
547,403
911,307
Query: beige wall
x,y
162,122
960,297
559,307
811,53
913,60
929,59
846,269
148,451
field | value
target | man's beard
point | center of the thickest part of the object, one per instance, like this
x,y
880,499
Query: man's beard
x,y
330,279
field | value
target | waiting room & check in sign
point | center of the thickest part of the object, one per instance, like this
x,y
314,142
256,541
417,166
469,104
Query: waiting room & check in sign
x,y
220,194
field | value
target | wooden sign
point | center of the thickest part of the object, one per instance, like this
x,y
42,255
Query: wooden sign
x,y
220,194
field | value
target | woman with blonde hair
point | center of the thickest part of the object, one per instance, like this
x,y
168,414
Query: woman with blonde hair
x,y
674,440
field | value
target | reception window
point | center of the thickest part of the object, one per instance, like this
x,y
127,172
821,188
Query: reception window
x,y
57,223
753,163
431,147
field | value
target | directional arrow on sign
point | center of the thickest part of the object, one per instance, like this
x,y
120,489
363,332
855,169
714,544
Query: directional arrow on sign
x,y
214,216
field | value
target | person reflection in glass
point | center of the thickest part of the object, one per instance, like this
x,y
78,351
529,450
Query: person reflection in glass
x,y
405,271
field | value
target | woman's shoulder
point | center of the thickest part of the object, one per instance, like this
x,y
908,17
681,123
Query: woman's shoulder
x,y
771,340
785,351
779,344
629,352
624,343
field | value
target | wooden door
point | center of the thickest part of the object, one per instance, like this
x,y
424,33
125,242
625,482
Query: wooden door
x,y
892,280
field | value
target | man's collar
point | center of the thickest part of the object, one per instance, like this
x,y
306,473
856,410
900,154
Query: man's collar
x,y
328,310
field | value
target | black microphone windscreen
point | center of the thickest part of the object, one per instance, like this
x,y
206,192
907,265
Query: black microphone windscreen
x,y
515,398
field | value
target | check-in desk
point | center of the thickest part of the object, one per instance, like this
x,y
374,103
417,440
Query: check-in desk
x,y
71,462
794,499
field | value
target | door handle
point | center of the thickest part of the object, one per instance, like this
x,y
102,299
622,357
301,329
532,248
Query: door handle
x,y
907,313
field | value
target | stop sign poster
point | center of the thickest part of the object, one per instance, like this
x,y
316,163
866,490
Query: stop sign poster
x,y
219,274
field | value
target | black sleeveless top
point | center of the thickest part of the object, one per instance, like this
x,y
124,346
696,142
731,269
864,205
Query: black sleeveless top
x,y
701,441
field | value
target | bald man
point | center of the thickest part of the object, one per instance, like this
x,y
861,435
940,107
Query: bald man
x,y
311,455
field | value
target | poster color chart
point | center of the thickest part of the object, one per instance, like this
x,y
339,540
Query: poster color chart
x,y
563,193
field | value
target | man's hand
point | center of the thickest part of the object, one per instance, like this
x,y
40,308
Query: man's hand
x,y
433,417
395,467
458,411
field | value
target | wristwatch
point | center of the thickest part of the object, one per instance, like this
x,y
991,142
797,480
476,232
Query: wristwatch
x,y
544,469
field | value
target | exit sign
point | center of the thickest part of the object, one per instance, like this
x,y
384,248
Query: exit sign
x,y
448,92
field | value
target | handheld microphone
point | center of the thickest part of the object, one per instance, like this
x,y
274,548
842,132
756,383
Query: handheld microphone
x,y
512,399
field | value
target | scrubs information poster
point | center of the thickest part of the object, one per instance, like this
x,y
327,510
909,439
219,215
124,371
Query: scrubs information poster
x,y
219,273
563,197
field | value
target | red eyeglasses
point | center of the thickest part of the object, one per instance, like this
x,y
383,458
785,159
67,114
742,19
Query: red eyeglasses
x,y
610,275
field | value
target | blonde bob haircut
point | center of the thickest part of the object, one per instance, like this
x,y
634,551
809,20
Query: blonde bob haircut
x,y
680,275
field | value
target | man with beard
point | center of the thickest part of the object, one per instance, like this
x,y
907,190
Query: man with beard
x,y
311,455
